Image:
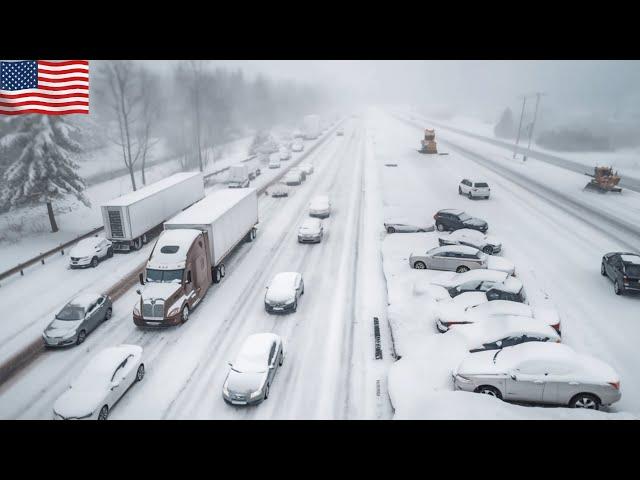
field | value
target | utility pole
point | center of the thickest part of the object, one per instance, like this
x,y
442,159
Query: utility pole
x,y
533,123
515,147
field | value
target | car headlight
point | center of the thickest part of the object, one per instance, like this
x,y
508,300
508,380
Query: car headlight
x,y
225,390
173,311
256,394
136,309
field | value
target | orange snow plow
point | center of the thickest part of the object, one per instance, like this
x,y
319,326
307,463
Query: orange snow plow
x,y
603,180
429,142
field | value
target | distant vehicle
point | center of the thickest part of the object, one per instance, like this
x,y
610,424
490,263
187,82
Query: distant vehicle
x,y
253,370
283,293
279,190
88,252
451,219
311,231
297,147
474,189
311,127
190,253
238,176
77,319
504,331
475,308
320,207
292,178
604,179
285,154
130,218
254,173
307,167
623,269
301,172
460,259
104,380
274,162
297,134
478,280
472,238
340,132
404,225
540,372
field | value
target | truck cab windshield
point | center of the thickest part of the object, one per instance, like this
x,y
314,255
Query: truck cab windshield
x,y
164,276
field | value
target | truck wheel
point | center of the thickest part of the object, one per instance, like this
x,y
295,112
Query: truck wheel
x,y
137,244
216,275
185,314
222,271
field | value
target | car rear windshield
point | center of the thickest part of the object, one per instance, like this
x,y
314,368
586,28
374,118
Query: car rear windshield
x,y
632,270
481,185
71,312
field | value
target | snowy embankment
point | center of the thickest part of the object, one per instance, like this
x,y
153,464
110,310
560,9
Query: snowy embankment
x,y
26,233
625,160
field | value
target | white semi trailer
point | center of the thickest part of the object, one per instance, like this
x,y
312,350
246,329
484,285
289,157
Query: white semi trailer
x,y
130,219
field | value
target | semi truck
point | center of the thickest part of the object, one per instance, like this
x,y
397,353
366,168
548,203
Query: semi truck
x,y
238,176
311,127
189,255
130,219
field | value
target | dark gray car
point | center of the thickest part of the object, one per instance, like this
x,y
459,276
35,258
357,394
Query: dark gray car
x,y
77,319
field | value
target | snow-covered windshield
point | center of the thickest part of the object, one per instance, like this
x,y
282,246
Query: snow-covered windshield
x,y
464,216
71,312
164,276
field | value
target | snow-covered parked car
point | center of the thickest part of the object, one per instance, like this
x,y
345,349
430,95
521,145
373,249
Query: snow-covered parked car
x,y
301,172
320,206
470,308
404,225
297,147
285,154
311,231
541,373
459,258
472,238
274,161
504,331
283,292
253,369
279,190
478,280
292,178
104,380
77,319
307,167
474,189
89,252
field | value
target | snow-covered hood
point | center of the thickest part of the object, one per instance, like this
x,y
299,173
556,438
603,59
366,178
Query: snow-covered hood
x,y
501,264
548,315
159,291
245,382
445,279
60,328
80,251
479,363
450,312
491,240
78,403
309,230
280,295
476,222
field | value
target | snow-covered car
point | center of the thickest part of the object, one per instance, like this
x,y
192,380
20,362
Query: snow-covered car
x,y
283,292
285,154
541,373
311,231
623,269
274,161
472,238
279,190
253,369
301,172
297,134
307,167
478,280
77,319
104,380
504,331
320,206
340,132
474,189
470,308
404,225
292,178
297,147
459,258
89,252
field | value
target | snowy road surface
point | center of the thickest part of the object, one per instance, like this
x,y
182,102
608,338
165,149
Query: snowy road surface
x,y
330,369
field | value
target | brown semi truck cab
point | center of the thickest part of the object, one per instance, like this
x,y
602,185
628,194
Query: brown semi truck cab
x,y
177,276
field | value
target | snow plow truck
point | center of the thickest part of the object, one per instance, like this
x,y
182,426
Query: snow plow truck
x,y
429,142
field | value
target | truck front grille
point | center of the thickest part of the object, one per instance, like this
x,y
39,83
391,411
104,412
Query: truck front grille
x,y
153,310
115,223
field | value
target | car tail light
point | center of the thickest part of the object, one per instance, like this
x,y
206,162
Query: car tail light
x,y
556,327
615,385
435,217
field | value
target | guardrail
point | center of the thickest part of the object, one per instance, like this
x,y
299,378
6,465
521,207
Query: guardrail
x,y
28,353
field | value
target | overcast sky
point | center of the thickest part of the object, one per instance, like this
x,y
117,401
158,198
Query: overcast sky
x,y
480,87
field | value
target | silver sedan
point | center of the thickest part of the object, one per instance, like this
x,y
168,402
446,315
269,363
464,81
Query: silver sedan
x,y
456,258
540,372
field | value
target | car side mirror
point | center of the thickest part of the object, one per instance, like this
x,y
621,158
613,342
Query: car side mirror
x,y
230,364
514,376
114,385
141,278
139,292
499,343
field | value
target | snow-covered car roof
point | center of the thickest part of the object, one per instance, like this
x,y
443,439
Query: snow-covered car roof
x,y
254,352
306,165
172,247
478,274
455,248
311,223
89,242
85,300
283,281
501,307
106,361
292,175
453,211
497,328
631,258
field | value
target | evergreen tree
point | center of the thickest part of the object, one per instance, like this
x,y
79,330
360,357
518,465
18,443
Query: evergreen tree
x,y
40,168
505,128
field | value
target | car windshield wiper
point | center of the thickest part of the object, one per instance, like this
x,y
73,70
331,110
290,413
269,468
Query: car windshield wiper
x,y
494,357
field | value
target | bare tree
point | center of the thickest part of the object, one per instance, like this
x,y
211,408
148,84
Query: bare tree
x,y
121,83
150,112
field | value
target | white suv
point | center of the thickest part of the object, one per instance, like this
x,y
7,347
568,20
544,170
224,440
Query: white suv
x,y
474,189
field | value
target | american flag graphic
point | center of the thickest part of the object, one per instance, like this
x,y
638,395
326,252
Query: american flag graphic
x,y
49,87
